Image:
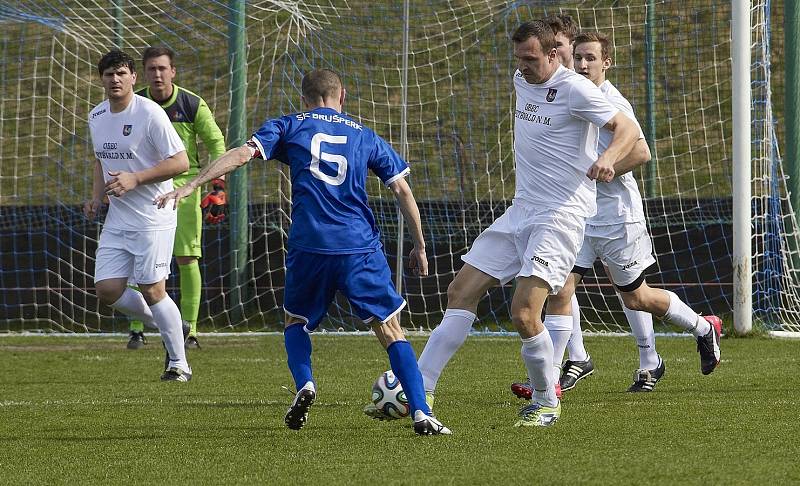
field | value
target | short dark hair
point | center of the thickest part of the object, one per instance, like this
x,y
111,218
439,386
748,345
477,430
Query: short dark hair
x,y
321,84
601,38
158,51
564,24
114,59
538,29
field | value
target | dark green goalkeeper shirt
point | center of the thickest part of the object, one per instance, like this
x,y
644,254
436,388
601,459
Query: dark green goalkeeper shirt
x,y
192,118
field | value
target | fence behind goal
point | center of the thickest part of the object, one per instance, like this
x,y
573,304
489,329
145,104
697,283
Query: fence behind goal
x,y
671,60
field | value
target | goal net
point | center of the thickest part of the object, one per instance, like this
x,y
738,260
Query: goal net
x,y
671,60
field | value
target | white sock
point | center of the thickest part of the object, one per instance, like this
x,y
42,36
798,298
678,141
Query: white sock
x,y
168,319
132,304
684,317
642,329
445,340
559,328
577,351
537,353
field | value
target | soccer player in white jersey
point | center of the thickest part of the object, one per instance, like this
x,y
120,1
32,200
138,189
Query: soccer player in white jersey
x,y
137,153
618,235
536,240
580,364
565,30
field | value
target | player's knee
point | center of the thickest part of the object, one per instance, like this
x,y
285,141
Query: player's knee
x,y
108,293
290,320
636,295
561,300
153,294
388,332
634,300
526,319
458,296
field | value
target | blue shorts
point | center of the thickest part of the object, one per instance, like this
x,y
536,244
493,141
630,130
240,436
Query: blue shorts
x,y
312,280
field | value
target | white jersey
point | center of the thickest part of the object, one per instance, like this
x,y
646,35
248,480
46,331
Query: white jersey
x,y
555,140
137,138
618,201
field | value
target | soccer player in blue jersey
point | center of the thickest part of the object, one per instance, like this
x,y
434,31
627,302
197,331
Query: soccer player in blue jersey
x,y
334,242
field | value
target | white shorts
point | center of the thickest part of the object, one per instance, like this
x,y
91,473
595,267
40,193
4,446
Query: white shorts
x,y
526,241
140,256
624,248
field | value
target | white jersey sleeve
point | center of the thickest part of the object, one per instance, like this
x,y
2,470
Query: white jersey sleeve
x,y
588,103
162,135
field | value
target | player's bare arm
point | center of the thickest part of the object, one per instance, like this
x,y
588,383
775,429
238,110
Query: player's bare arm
x,y
625,135
122,182
230,160
92,206
418,260
639,155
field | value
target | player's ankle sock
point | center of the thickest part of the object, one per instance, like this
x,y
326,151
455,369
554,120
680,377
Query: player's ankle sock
x,y
684,317
131,303
537,353
444,341
168,319
575,347
191,288
404,364
137,326
298,354
642,329
560,328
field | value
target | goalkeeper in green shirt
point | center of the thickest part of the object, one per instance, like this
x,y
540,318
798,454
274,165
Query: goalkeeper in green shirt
x,y
192,118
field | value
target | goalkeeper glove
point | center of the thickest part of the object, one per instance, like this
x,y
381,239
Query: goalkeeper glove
x,y
215,203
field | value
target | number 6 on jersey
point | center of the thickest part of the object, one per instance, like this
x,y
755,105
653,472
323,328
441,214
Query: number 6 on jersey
x,y
317,155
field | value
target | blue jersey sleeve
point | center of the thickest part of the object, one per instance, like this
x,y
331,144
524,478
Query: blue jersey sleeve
x,y
268,138
385,162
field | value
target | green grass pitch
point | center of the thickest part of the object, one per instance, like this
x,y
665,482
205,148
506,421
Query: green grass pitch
x,y
85,410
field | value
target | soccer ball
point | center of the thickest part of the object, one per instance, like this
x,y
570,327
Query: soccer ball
x,y
389,397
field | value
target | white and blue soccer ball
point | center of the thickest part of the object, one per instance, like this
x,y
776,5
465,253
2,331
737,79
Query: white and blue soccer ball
x,y
389,397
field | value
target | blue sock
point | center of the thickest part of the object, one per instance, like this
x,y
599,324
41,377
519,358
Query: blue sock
x,y
404,365
298,354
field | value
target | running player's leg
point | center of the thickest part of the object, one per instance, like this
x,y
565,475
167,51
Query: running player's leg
x,y
310,288
492,260
536,351
113,268
366,281
559,321
577,352
153,252
627,265
463,295
548,244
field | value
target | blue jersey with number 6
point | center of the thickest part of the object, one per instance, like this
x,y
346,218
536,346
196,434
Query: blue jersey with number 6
x,y
329,155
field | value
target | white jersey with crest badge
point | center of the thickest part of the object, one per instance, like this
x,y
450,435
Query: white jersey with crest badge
x,y
137,138
618,201
555,140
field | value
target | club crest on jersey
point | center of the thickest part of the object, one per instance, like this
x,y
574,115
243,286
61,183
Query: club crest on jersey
x,y
126,130
551,94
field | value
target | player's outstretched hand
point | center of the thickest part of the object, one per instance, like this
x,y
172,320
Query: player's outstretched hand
x,y
601,171
174,196
418,261
91,208
120,183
